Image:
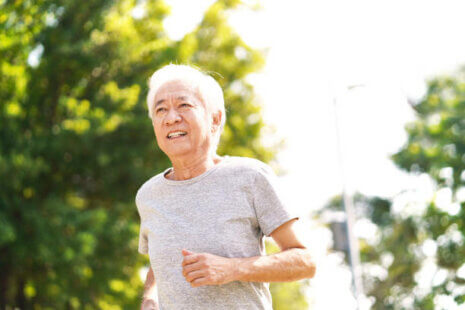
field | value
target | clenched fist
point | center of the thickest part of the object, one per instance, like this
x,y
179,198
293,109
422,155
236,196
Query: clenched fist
x,y
207,269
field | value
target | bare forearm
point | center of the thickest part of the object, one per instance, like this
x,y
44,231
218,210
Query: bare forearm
x,y
286,266
150,291
150,298
149,304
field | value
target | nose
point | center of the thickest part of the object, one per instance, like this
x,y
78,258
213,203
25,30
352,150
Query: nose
x,y
172,117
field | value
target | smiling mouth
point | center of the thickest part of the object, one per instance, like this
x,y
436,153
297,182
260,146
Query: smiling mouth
x,y
177,136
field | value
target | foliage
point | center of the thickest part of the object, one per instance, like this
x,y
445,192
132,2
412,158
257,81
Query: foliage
x,y
436,147
76,142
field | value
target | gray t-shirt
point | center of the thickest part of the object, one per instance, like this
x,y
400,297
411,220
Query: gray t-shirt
x,y
225,211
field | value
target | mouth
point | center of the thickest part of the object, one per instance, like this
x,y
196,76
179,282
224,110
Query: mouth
x,y
176,135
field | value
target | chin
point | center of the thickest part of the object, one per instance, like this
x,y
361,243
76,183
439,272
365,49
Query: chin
x,y
178,151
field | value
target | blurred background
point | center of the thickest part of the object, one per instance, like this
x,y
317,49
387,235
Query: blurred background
x,y
359,106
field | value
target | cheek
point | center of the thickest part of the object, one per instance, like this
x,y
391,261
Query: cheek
x,y
156,130
203,120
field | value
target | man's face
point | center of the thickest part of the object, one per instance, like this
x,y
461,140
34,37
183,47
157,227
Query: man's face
x,y
177,107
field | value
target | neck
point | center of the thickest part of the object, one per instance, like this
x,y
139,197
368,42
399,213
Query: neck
x,y
188,168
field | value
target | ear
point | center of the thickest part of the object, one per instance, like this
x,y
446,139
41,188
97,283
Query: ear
x,y
216,120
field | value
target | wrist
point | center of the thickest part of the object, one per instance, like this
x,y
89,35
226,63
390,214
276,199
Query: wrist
x,y
236,268
148,303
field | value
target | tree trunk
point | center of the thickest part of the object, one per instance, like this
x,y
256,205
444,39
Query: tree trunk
x,y
20,298
3,288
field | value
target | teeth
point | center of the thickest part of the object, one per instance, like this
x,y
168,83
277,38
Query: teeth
x,y
177,133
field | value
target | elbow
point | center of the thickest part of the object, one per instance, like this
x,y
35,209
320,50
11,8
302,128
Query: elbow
x,y
307,263
310,265
311,270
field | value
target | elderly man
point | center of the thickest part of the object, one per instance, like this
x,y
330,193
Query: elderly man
x,y
204,219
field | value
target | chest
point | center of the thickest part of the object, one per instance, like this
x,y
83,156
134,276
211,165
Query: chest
x,y
221,221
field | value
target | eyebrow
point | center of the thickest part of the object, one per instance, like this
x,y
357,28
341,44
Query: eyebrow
x,y
163,100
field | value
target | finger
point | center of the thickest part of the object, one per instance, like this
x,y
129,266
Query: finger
x,y
186,252
191,267
191,276
190,259
199,282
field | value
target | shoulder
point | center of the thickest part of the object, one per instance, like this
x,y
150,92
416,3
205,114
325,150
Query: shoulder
x,y
148,186
260,176
250,165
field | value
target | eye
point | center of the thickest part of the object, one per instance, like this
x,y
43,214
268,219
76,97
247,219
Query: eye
x,y
159,109
185,104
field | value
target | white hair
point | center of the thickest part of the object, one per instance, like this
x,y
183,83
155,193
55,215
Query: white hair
x,y
206,86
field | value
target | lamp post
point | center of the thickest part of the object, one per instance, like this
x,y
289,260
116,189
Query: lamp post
x,y
354,254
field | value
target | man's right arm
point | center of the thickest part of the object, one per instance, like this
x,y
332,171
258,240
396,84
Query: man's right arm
x,y
150,298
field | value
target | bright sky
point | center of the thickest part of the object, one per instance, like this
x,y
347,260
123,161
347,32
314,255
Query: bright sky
x,y
316,50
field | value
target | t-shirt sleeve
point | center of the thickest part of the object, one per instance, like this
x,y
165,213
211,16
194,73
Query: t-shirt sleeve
x,y
269,205
143,241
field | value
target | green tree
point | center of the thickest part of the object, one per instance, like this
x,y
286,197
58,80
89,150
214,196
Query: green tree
x,y
76,141
391,252
436,147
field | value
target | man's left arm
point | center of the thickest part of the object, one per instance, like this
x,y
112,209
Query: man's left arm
x,y
293,263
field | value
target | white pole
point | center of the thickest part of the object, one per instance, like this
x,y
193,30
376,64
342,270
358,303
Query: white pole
x,y
354,253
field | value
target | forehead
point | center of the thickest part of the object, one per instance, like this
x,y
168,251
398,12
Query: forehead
x,y
176,88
